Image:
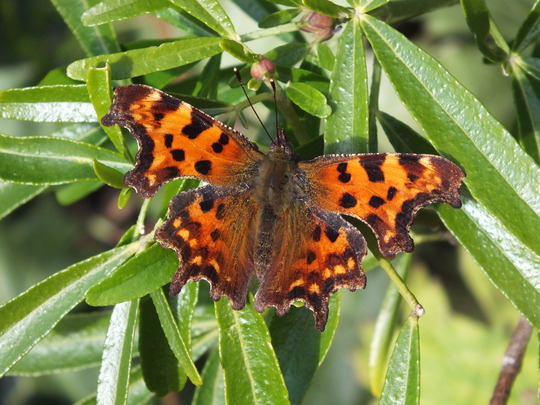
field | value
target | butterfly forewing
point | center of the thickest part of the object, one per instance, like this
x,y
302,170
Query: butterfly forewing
x,y
383,190
177,140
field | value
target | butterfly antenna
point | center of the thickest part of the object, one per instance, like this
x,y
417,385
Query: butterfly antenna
x,y
239,78
273,84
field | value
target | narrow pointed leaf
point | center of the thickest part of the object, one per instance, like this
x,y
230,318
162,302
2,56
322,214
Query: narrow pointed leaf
x,y
384,330
212,391
346,130
99,89
529,30
480,22
250,367
44,160
14,195
142,274
176,342
94,40
161,370
76,342
402,385
300,348
309,99
116,10
138,62
210,13
29,317
527,100
59,103
500,175
113,379
328,8
108,175
138,392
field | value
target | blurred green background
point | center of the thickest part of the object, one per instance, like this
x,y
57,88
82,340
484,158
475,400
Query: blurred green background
x,y
467,324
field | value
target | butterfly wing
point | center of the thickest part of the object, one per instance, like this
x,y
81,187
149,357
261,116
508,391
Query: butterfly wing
x,y
383,190
212,232
314,253
177,140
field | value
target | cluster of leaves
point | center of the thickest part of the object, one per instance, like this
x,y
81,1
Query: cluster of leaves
x,y
250,359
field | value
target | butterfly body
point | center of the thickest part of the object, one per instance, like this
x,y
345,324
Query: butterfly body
x,y
272,215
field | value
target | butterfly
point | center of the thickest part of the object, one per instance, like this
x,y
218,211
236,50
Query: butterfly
x,y
272,215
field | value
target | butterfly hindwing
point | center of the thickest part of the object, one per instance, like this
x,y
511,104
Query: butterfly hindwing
x,y
314,254
383,190
177,140
211,229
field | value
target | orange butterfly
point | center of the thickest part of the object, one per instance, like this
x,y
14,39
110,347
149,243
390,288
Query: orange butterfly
x,y
272,215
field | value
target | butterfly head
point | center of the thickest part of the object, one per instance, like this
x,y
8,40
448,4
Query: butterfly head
x,y
281,144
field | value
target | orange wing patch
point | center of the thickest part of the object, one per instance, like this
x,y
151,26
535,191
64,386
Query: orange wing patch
x,y
384,190
177,140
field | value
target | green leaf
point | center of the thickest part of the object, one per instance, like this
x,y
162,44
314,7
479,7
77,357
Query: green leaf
x,y
384,330
142,274
402,384
373,4
485,32
511,266
14,195
176,342
529,30
500,175
239,51
347,129
78,337
326,56
183,307
180,19
328,8
95,40
44,160
161,370
99,90
279,17
116,10
308,99
108,175
138,62
300,348
250,367
114,376
212,391
70,193
29,317
138,392
210,13
527,101
60,103
395,11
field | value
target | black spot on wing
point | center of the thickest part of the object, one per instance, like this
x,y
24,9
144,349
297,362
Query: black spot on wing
x,y
178,154
206,205
347,201
373,169
331,234
196,127
311,256
168,140
217,147
391,193
376,202
316,234
203,166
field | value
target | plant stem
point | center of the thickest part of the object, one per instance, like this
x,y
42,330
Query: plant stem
x,y
408,296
